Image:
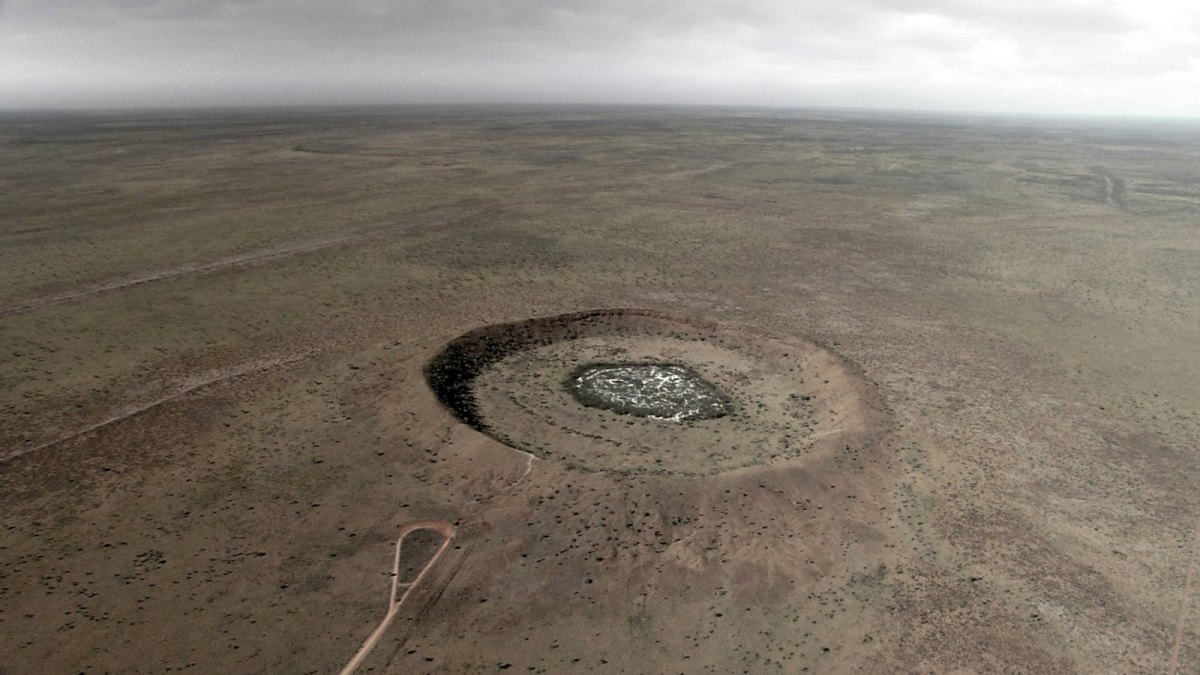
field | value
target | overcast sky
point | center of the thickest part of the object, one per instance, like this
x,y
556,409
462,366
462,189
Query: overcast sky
x,y
1136,57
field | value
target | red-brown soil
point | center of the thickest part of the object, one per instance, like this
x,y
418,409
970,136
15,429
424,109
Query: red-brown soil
x,y
216,425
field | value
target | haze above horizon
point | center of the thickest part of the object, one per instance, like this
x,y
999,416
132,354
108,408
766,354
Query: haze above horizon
x,y
1057,57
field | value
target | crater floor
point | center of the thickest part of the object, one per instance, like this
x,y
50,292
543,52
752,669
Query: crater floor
x,y
664,391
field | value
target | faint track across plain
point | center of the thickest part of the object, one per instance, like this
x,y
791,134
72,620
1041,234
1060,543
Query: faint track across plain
x,y
1185,600
1114,187
688,173
182,388
246,259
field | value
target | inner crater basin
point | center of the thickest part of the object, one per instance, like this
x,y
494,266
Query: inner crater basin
x,y
629,391
662,391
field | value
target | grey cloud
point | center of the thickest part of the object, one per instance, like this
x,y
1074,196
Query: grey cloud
x,y
712,51
1092,17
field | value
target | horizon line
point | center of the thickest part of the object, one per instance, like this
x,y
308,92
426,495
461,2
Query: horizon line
x,y
264,107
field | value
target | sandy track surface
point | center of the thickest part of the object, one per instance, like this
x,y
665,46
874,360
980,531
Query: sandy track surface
x,y
396,602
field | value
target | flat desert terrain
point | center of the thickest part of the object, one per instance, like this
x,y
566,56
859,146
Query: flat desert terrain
x,y
296,391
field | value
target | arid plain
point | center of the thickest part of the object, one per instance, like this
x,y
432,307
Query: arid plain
x,y
215,423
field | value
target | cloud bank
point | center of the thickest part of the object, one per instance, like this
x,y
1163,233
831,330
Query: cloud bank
x,y
1032,56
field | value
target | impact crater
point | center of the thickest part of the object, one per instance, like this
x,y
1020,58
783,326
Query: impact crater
x,y
632,391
